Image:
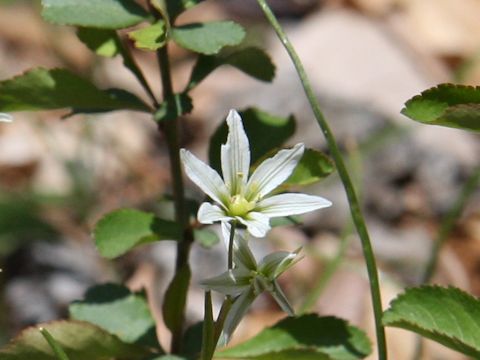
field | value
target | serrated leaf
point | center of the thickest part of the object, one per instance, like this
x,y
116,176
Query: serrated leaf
x,y
176,7
303,354
112,307
102,14
314,166
325,336
80,341
175,299
101,42
265,133
208,38
121,230
252,61
456,106
152,37
449,316
206,238
174,107
42,89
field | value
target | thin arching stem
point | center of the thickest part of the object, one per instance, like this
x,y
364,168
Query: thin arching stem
x,y
355,209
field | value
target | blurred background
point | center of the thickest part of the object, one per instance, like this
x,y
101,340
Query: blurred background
x,y
365,58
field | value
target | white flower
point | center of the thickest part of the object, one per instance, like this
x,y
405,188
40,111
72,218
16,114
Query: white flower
x,y
5,117
248,280
246,198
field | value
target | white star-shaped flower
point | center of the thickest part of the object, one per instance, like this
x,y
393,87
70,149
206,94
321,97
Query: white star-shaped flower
x,y
5,117
245,198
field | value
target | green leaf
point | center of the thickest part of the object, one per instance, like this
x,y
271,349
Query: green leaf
x,y
252,61
152,37
208,38
328,336
206,238
265,133
101,42
175,299
456,106
314,166
176,7
300,354
102,14
42,89
121,230
174,107
80,341
446,315
120,312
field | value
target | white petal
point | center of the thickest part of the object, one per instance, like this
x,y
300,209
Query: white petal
x,y
290,204
235,154
208,214
273,171
6,117
204,177
257,224
226,233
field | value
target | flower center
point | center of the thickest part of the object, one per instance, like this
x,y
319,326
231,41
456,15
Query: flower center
x,y
239,206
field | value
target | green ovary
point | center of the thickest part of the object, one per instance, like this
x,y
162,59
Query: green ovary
x,y
239,206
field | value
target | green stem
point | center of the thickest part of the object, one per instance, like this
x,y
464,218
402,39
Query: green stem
x,y
170,129
449,222
132,65
230,245
227,303
344,176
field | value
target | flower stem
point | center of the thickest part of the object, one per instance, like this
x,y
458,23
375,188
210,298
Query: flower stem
x,y
230,245
170,129
344,176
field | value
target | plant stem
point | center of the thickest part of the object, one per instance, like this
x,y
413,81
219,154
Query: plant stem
x,y
170,129
344,176
230,245
449,221
132,65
